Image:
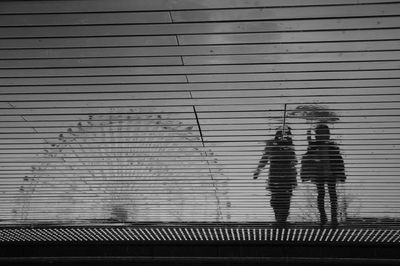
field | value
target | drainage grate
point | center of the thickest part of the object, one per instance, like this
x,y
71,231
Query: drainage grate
x,y
150,233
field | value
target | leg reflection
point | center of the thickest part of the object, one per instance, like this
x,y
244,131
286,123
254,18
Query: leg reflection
x,y
333,200
321,203
280,202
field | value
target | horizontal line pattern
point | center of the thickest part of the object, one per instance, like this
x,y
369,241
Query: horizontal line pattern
x,y
131,111
123,5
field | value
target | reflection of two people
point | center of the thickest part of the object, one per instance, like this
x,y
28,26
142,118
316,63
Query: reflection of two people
x,y
322,164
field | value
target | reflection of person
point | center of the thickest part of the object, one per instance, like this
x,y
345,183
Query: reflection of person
x,y
280,154
323,164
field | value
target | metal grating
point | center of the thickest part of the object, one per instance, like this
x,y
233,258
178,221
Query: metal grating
x,y
202,233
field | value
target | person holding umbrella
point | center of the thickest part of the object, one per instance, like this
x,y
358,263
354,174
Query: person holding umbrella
x,y
323,165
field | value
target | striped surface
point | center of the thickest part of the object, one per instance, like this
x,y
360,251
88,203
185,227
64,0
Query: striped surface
x,y
159,111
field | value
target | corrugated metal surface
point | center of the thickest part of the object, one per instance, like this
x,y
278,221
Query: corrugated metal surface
x,y
137,111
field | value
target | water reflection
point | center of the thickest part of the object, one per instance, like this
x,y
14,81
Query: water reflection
x,y
323,164
280,154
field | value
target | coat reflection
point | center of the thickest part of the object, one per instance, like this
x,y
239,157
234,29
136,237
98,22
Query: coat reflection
x,y
323,165
279,153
